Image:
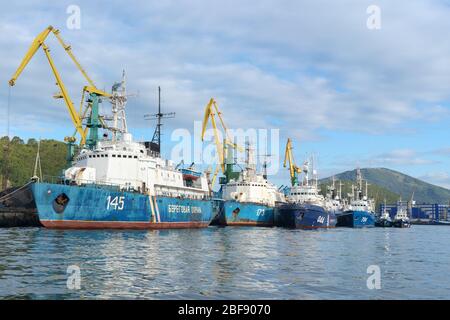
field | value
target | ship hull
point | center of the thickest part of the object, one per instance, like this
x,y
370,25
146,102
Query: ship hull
x,y
234,213
93,207
356,219
400,223
304,216
383,223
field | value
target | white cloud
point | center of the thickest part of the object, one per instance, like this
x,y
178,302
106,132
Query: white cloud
x,y
310,65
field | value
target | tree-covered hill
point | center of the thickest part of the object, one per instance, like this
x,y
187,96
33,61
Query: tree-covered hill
x,y
22,155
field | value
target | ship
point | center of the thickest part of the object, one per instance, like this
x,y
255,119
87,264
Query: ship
x,y
384,219
401,218
334,200
118,183
360,211
249,199
305,208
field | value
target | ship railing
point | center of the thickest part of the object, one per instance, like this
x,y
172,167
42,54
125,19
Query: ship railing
x,y
126,186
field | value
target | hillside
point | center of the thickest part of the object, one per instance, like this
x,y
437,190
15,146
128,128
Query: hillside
x,y
22,158
401,184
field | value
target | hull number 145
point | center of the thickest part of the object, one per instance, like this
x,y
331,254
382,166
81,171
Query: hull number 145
x,y
115,203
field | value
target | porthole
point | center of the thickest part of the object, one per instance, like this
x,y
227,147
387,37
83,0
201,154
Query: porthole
x,y
60,203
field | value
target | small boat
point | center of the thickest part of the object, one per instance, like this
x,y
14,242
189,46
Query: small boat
x,y
384,220
401,219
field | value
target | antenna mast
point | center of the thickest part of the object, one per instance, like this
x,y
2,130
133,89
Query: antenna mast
x,y
155,144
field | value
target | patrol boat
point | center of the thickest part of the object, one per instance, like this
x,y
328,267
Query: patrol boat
x,y
116,182
249,198
360,212
305,207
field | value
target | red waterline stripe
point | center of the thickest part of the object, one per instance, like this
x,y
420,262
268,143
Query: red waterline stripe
x,y
79,224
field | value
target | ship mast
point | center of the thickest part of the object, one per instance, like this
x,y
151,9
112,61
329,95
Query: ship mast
x,y
155,144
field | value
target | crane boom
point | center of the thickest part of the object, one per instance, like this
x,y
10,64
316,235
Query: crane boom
x,y
289,157
37,43
211,111
76,117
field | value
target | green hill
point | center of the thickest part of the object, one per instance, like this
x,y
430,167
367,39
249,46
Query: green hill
x,y
401,184
22,157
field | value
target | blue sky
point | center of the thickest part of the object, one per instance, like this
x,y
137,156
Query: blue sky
x,y
353,96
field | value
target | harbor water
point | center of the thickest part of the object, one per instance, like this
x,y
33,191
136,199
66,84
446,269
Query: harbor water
x,y
225,263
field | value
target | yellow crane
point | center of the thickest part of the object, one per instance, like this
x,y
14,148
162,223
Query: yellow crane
x,y
91,89
211,111
293,169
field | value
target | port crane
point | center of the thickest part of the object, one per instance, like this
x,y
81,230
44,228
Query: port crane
x,y
211,111
94,120
293,169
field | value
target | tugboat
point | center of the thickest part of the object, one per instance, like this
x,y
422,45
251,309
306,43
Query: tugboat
x,y
384,220
305,207
249,199
401,219
360,212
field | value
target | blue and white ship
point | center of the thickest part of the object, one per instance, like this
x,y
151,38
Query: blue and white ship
x,y
360,211
249,199
120,183
305,207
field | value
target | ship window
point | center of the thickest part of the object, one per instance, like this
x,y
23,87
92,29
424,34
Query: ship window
x,y
130,157
135,157
113,155
119,156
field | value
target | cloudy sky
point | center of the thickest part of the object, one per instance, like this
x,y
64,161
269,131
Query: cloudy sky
x,y
353,96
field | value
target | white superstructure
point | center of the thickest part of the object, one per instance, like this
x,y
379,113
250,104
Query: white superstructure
x,y
307,191
122,162
334,200
402,212
252,186
359,200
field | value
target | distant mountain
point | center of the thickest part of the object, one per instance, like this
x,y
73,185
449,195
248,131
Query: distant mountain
x,y
400,184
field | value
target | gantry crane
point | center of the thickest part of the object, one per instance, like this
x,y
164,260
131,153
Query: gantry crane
x,y
293,169
94,121
211,111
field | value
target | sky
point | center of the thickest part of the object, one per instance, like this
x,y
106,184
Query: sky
x,y
349,94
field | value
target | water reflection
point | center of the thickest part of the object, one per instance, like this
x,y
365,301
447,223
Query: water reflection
x,y
222,263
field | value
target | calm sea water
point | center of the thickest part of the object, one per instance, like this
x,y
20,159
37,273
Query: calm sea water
x,y
226,263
